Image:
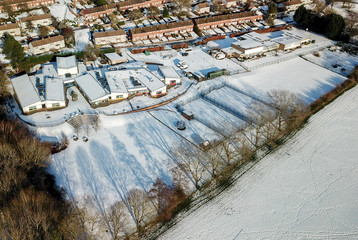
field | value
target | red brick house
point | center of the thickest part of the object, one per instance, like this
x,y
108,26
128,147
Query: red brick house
x,y
16,4
92,14
226,19
160,30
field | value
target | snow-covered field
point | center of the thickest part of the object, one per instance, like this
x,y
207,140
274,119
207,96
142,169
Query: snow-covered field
x,y
339,62
307,189
297,75
82,38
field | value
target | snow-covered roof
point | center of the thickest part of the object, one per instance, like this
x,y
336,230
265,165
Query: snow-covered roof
x,y
149,79
168,72
26,92
54,89
114,56
257,36
248,44
91,87
66,62
115,82
286,40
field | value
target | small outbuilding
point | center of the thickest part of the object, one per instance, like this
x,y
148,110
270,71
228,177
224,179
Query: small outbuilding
x,y
115,58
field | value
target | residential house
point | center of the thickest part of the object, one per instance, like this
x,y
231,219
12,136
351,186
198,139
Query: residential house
x,y
47,44
12,29
226,20
37,20
18,4
152,32
110,37
202,8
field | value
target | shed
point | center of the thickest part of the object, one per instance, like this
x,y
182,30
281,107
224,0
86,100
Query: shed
x,y
188,115
114,58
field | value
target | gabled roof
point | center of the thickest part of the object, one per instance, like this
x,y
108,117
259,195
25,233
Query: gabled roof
x,y
9,26
47,40
26,92
109,33
223,17
36,17
161,27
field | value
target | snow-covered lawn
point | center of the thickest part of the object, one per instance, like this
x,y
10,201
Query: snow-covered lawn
x,y
297,75
307,189
82,38
61,11
334,61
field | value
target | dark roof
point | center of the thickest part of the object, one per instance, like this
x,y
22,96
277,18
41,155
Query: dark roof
x,y
47,40
161,27
109,33
36,17
218,18
8,26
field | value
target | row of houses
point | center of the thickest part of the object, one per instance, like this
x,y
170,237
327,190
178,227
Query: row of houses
x,y
46,90
15,28
95,13
20,4
151,32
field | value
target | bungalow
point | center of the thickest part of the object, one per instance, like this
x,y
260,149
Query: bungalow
x,y
202,8
152,32
37,20
54,93
116,86
111,37
91,89
12,29
27,94
47,44
171,77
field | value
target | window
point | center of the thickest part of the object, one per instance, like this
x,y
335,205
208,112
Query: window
x,y
119,96
54,105
32,108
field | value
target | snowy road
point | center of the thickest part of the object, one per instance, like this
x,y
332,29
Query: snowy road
x,y
308,189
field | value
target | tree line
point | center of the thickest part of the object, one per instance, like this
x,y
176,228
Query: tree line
x,y
331,25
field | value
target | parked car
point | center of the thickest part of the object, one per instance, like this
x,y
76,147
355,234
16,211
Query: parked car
x,y
84,138
182,65
74,137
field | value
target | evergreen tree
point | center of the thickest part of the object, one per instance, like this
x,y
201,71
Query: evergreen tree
x,y
13,50
334,26
165,12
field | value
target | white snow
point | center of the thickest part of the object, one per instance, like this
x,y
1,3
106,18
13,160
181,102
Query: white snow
x,y
307,189
82,38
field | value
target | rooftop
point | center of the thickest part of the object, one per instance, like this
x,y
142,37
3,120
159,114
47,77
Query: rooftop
x,y
91,87
114,56
54,89
248,44
66,62
223,17
115,82
47,40
109,33
8,26
36,17
162,27
168,72
26,92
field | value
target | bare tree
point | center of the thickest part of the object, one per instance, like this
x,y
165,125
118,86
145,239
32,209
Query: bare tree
x,y
214,161
183,4
117,218
192,160
140,206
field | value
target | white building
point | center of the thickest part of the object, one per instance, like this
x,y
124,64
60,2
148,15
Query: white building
x,y
114,58
37,20
12,29
202,8
171,77
92,89
110,37
27,94
66,65
47,44
249,47
287,42
54,93
116,86
155,86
